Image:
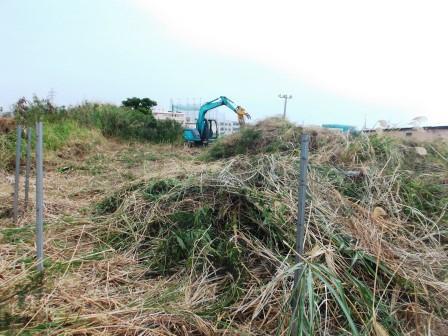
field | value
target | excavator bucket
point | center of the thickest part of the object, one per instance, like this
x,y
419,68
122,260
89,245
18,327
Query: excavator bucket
x,y
242,115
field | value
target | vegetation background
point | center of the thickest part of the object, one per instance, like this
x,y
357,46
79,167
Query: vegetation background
x,y
132,121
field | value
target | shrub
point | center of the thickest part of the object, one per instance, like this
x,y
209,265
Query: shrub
x,y
56,136
59,134
132,121
126,123
7,150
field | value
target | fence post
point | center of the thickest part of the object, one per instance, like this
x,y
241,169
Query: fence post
x,y
304,144
29,132
17,174
39,197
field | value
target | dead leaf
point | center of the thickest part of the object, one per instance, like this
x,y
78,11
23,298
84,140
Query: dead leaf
x,y
421,151
378,213
315,252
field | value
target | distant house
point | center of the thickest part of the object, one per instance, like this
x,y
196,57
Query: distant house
x,y
428,133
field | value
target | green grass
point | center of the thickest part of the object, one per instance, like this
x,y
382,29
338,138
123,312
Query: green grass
x,y
57,135
247,139
132,158
7,151
269,136
16,235
124,123
61,125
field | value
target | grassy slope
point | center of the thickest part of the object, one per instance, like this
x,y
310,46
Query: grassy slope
x,y
91,288
57,135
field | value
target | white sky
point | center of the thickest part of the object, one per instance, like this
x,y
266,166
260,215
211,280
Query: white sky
x,y
392,53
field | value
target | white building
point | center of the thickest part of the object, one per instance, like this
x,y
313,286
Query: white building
x,y
228,127
161,114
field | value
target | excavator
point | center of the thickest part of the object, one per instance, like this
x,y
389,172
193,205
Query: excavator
x,y
206,130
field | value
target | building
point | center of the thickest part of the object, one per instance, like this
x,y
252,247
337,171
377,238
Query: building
x,y
161,114
428,133
228,127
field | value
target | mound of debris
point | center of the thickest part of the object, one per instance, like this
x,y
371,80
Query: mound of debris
x,y
270,136
375,242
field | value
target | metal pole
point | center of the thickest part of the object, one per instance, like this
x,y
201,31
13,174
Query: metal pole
x,y
300,223
284,107
39,197
29,132
17,174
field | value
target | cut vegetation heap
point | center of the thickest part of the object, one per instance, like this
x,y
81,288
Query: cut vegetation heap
x,y
375,259
212,252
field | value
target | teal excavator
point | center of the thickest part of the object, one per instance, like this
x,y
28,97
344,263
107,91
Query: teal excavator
x,y
207,129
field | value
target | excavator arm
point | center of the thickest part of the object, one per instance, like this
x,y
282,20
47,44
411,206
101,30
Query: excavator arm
x,y
203,132
240,111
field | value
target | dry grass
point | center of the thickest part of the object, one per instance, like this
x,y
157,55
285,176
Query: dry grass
x,y
146,240
7,125
83,273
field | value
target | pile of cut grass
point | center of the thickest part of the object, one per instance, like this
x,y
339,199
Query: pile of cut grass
x,y
267,136
212,253
375,258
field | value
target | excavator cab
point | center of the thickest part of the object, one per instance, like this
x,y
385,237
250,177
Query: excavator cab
x,y
211,132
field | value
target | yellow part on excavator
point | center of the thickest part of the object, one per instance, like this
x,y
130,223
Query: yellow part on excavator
x,y
242,115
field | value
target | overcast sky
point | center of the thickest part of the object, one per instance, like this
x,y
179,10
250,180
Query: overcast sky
x,y
343,61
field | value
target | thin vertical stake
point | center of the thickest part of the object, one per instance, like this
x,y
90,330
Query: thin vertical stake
x,y
284,108
39,197
29,132
305,139
17,174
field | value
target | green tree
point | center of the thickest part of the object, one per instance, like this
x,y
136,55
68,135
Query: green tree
x,y
143,105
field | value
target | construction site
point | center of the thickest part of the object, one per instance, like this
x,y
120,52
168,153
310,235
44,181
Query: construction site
x,y
237,168
167,239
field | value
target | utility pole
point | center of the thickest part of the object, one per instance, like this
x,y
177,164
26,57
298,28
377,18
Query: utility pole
x,y
51,95
285,97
